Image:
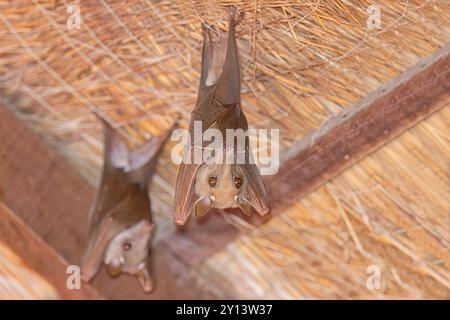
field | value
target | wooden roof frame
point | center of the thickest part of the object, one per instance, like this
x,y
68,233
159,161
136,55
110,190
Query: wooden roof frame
x,y
43,190
39,256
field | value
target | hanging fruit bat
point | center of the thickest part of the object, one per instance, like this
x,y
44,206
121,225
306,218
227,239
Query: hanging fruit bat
x,y
205,185
120,218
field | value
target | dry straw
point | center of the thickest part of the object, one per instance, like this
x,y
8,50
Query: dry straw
x,y
136,63
390,212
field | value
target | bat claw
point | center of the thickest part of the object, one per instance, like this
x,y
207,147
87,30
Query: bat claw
x,y
236,14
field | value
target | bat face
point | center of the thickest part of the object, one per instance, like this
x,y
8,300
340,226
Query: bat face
x,y
219,185
120,218
128,253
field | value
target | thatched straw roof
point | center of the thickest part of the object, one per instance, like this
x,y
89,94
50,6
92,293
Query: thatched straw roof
x,y
390,211
19,282
136,63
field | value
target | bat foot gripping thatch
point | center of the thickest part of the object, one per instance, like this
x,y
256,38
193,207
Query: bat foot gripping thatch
x,y
120,218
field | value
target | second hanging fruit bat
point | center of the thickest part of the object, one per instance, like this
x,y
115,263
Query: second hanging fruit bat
x,y
201,186
120,218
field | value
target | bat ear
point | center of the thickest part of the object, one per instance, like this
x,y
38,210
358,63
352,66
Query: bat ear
x,y
256,192
184,192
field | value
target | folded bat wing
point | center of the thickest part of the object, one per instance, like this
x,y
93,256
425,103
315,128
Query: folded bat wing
x,y
256,191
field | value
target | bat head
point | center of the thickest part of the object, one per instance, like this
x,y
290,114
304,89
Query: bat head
x,y
128,253
221,186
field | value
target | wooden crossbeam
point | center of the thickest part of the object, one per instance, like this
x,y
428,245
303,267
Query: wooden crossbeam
x,y
38,256
338,144
42,188
45,191
378,119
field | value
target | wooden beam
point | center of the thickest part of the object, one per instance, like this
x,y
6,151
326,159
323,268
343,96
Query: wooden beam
x,y
42,188
359,131
200,238
38,256
338,144
45,191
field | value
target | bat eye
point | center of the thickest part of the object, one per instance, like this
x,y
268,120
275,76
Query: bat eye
x,y
238,182
212,181
127,246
